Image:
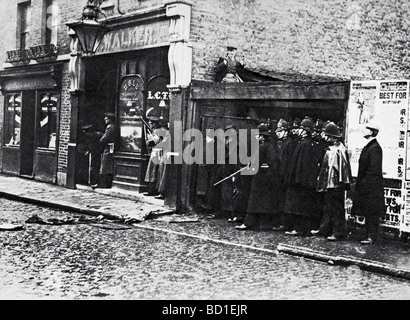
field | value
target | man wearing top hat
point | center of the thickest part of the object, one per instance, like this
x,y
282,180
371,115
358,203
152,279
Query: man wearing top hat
x,y
368,198
228,68
107,159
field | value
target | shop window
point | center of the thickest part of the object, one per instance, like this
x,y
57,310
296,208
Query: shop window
x,y
158,97
130,111
47,120
12,121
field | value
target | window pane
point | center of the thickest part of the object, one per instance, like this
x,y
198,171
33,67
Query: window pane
x,y
48,120
131,135
130,111
13,120
24,27
52,22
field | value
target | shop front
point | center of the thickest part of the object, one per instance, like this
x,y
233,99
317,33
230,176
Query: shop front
x,y
31,121
130,76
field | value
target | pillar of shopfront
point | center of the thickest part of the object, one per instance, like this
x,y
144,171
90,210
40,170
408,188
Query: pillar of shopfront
x,y
76,71
180,64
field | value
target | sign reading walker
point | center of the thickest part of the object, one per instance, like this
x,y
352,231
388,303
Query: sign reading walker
x,y
135,37
385,102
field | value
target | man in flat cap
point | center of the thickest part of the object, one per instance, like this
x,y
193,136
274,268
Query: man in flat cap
x,y
368,198
228,68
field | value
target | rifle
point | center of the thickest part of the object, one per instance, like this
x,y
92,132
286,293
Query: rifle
x,y
234,174
230,176
146,125
155,137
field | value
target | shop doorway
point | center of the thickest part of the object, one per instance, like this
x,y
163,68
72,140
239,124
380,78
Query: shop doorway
x,y
30,134
118,83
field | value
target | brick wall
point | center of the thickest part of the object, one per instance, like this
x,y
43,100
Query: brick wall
x,y
65,111
352,39
364,39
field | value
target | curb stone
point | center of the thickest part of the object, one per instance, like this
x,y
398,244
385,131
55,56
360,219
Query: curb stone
x,y
363,264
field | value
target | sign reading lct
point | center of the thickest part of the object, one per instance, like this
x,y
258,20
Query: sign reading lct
x,y
159,95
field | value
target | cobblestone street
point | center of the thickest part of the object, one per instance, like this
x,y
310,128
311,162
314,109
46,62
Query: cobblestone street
x,y
89,261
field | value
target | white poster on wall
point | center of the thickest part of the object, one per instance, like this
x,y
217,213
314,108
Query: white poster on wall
x,y
385,103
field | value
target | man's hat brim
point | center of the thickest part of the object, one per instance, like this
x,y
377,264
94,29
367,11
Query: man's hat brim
x,y
334,135
109,115
86,126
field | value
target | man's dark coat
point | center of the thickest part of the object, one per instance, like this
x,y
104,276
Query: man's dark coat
x,y
369,192
264,197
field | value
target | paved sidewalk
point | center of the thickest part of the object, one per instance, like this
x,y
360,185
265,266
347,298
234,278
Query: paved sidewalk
x,y
388,256
111,203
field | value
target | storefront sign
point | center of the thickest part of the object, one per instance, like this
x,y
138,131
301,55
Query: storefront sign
x,y
135,37
159,95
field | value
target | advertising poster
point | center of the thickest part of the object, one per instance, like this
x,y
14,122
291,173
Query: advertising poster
x,y
386,104
360,109
395,207
405,218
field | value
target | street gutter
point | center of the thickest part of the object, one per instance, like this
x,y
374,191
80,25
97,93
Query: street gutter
x,y
363,264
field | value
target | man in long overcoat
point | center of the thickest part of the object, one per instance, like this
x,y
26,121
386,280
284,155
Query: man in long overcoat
x,y
286,146
368,198
107,159
285,172
321,144
263,201
221,196
159,131
303,175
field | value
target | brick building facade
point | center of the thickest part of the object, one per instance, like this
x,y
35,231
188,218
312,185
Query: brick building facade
x,y
292,39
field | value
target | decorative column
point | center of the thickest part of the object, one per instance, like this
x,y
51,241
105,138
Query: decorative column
x,y
76,71
180,50
180,65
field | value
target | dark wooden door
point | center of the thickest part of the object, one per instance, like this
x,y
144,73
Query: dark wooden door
x,y
27,133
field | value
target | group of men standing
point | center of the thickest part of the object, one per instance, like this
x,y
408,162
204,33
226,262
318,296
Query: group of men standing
x,y
303,174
